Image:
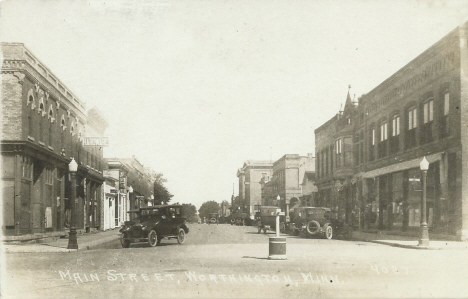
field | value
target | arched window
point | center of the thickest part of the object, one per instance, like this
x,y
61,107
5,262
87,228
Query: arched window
x,y
51,118
31,105
62,123
42,113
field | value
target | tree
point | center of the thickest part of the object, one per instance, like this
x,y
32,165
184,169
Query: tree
x,y
189,211
161,194
208,207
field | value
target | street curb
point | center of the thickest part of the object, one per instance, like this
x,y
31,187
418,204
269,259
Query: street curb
x,y
100,243
48,248
408,246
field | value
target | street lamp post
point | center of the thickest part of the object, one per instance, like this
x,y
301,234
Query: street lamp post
x,y
72,239
424,241
277,219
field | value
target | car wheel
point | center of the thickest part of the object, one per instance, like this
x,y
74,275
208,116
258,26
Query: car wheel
x,y
152,238
125,243
213,220
181,236
313,227
328,231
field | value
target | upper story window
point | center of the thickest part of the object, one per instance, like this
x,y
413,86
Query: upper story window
x,y
428,117
446,103
383,132
412,118
26,167
395,139
383,139
359,148
444,119
396,126
412,124
338,149
371,144
428,111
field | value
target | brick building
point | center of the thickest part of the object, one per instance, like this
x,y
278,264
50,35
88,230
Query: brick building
x,y
288,176
368,155
43,124
250,193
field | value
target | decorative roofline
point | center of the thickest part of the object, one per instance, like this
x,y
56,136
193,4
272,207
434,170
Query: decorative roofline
x,y
15,60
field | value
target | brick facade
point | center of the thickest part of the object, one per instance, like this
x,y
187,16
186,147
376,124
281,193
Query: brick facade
x,y
43,125
368,154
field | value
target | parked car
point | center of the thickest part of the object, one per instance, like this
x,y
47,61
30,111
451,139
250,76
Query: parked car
x,y
238,218
214,218
152,224
314,221
266,220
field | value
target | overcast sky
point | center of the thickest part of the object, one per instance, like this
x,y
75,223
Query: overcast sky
x,y
195,88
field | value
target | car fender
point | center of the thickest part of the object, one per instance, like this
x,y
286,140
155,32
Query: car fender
x,y
185,228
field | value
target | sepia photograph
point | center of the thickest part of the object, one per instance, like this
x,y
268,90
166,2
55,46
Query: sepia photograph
x,y
234,149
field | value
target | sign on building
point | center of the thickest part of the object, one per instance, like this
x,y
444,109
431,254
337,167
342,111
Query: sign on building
x,y
95,141
122,178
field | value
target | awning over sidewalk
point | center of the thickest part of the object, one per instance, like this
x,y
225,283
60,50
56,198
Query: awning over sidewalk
x,y
400,166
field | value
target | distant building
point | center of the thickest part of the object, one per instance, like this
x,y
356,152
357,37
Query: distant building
x,y
309,190
135,188
250,192
286,182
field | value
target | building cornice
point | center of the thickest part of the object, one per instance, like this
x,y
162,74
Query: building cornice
x,y
17,58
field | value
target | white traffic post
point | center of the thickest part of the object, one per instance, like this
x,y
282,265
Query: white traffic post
x,y
277,247
278,214
277,224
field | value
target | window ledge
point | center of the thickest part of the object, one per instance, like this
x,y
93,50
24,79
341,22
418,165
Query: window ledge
x,y
51,148
31,138
42,143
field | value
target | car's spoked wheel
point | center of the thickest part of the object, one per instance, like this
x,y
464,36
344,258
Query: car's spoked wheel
x,y
181,236
329,232
152,238
125,243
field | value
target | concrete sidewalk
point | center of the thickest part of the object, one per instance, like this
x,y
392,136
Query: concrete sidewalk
x,y
86,241
407,241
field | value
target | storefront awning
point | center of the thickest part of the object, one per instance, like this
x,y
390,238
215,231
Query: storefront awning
x,y
400,166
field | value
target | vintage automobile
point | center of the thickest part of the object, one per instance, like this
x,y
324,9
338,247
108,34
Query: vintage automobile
x,y
214,218
313,221
152,224
239,218
267,218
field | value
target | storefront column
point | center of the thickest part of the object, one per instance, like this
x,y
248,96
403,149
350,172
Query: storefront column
x,y
405,222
